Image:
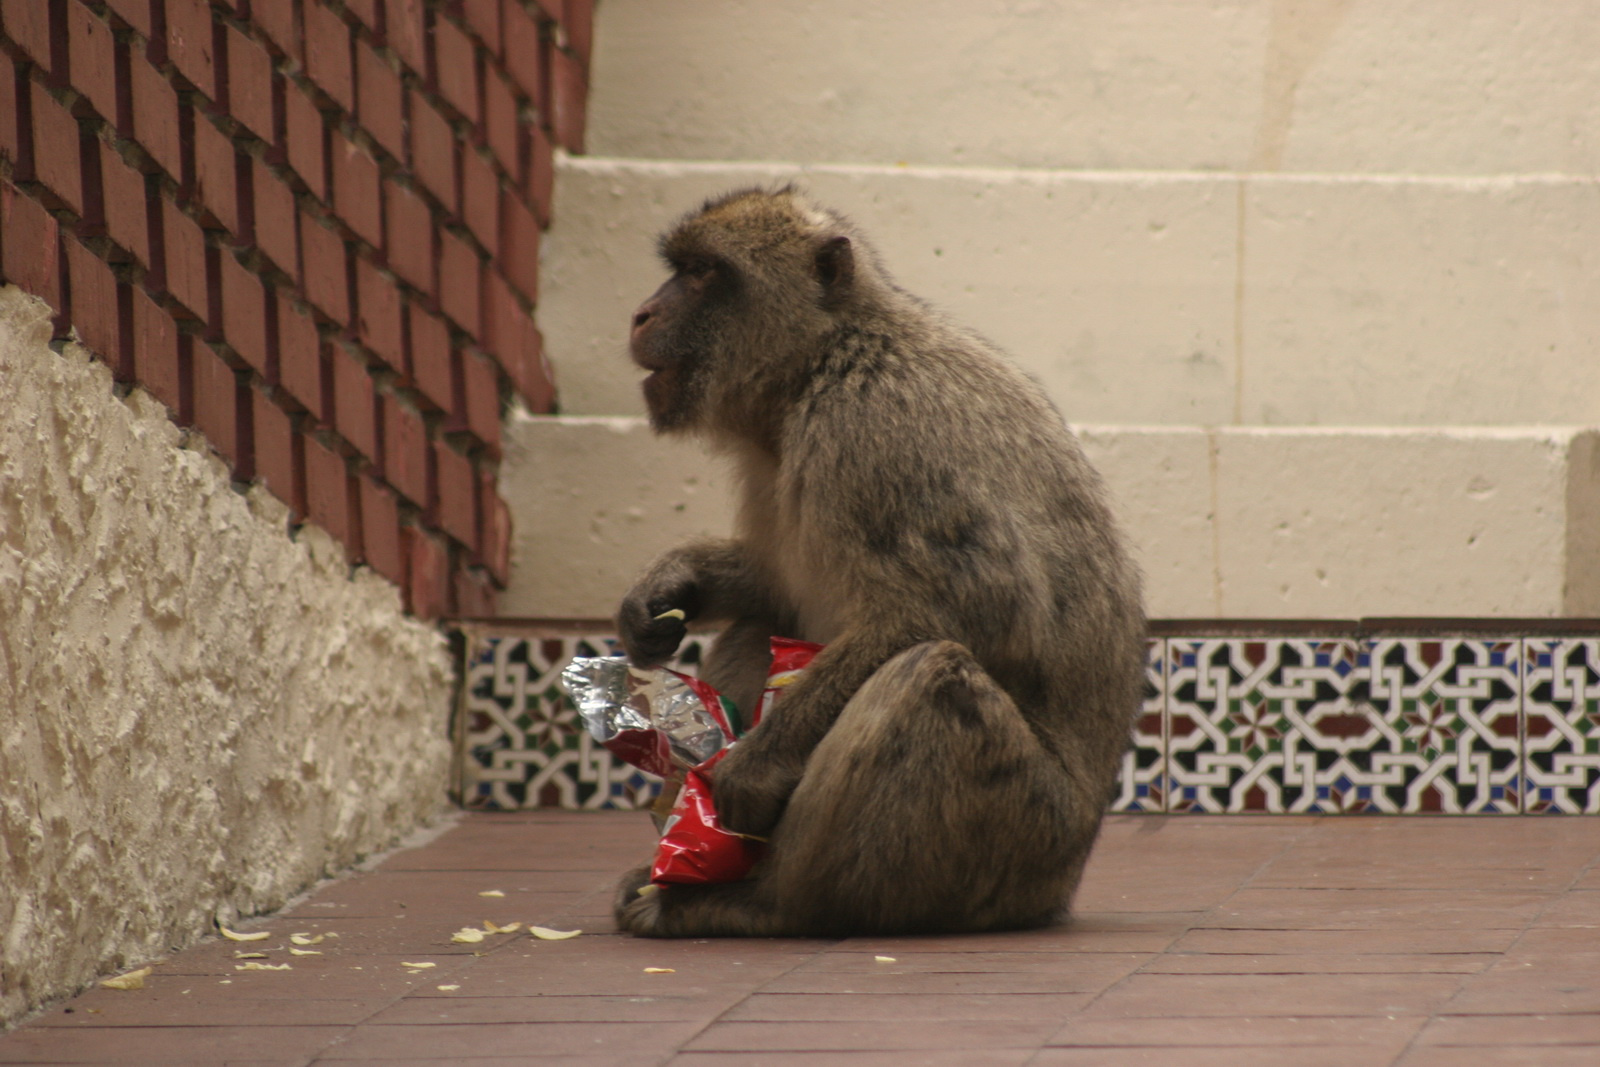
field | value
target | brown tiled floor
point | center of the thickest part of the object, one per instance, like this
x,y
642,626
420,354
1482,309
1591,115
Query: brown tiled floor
x,y
1199,940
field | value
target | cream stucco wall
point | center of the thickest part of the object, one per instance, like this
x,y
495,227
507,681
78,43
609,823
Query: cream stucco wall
x,y
1240,522
1320,277
200,713
1175,298
1309,86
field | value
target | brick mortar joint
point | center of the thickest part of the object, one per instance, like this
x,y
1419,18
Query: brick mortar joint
x,y
247,142
459,562
197,330
177,191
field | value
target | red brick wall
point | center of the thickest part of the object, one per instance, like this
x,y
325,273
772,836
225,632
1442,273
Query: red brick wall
x,y
311,228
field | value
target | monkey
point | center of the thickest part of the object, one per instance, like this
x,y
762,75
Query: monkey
x,y
911,500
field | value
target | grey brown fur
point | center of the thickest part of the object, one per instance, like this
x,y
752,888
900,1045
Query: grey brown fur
x,y
915,503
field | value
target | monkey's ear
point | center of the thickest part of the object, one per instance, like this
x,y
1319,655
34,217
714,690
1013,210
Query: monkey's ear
x,y
836,267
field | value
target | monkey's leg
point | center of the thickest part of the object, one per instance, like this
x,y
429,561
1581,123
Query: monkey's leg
x,y
929,806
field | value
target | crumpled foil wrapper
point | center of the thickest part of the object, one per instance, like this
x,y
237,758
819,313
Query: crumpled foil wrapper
x,y
650,717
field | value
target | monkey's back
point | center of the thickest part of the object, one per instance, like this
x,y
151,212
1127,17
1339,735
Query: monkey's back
x,y
923,477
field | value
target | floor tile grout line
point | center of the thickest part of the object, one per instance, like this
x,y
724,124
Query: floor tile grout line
x,y
1303,844
1552,898
721,1016
1292,838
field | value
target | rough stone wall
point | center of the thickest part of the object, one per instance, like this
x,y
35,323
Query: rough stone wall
x,y
201,714
285,254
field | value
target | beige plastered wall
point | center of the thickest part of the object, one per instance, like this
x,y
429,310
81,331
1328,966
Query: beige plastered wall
x,y
1294,86
201,713
1319,280
1240,522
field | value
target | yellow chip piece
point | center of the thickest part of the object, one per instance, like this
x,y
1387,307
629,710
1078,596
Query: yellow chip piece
x,y
544,933
259,935
491,893
249,955
467,936
508,928
660,970
304,952
418,966
885,959
130,980
262,967
447,988
307,939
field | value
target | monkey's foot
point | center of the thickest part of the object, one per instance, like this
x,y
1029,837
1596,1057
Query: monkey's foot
x,y
640,913
724,909
628,887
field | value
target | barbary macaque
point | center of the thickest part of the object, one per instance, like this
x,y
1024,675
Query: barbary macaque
x,y
914,502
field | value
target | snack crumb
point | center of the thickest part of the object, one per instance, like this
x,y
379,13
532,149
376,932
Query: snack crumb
x,y
131,980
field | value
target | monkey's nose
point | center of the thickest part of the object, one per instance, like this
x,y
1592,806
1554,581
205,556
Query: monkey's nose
x,y
641,317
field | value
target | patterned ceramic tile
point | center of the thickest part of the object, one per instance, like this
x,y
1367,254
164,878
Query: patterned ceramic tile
x,y
1262,724
1450,711
1144,768
1341,725
520,741
1561,730
1400,725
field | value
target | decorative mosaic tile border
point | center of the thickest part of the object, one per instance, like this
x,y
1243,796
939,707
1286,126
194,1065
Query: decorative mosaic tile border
x,y
1331,722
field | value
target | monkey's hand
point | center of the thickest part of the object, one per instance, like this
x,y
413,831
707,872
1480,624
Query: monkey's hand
x,y
751,789
654,618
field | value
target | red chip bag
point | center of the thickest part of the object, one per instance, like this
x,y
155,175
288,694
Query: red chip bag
x,y
789,658
694,848
678,727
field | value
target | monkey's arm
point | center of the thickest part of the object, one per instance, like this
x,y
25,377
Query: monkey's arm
x,y
708,581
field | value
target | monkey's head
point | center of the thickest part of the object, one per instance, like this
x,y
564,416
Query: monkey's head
x,y
758,279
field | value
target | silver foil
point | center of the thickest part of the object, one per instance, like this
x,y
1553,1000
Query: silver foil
x,y
612,696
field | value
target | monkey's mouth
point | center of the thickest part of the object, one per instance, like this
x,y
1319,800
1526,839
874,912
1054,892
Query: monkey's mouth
x,y
658,382
647,362
657,369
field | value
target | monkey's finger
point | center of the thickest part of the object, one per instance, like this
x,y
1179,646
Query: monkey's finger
x,y
653,643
